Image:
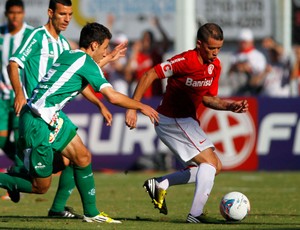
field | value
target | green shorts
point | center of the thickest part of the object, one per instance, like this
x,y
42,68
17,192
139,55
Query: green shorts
x,y
34,141
64,134
9,120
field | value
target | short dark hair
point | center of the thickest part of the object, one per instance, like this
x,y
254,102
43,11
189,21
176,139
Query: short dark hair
x,y
210,30
11,3
93,32
52,3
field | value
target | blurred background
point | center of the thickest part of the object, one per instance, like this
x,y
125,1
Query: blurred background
x,y
263,35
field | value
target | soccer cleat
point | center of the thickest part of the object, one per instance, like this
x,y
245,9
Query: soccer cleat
x,y
203,218
101,218
14,195
157,195
68,213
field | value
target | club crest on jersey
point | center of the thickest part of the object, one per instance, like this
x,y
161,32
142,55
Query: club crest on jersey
x,y
210,69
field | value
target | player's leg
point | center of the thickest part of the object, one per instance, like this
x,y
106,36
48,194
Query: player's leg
x,y
15,184
169,132
37,154
208,164
38,178
66,185
84,180
66,180
157,187
186,139
184,176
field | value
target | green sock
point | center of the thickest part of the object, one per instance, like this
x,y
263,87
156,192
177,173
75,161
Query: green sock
x,y
64,190
21,184
84,180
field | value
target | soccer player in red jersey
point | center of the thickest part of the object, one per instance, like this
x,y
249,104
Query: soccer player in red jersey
x,y
193,78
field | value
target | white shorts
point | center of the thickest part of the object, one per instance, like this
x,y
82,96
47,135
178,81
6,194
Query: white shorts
x,y
183,136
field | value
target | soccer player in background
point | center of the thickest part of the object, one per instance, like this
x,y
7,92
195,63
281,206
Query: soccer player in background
x,y
68,76
11,35
192,79
36,54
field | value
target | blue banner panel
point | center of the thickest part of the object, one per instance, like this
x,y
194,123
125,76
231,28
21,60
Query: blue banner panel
x,y
116,147
265,138
278,144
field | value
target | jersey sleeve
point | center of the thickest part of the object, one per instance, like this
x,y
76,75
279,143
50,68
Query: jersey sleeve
x,y
28,48
94,76
173,66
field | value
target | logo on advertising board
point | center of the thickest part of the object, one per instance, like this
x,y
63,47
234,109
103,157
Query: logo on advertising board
x,y
234,136
278,143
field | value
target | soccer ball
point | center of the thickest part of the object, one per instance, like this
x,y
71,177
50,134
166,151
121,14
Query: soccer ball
x,y
234,206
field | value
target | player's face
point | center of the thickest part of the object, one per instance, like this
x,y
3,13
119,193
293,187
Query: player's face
x,y
61,17
209,50
101,51
15,16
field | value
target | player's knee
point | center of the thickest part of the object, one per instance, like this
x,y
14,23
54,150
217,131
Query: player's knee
x,y
83,159
40,188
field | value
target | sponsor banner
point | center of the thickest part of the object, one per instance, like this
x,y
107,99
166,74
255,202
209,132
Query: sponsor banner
x,y
279,134
233,134
116,147
265,138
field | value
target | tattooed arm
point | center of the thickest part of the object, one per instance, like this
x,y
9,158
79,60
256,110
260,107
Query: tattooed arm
x,y
221,104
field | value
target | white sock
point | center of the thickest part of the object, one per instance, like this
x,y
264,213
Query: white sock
x,y
185,176
204,184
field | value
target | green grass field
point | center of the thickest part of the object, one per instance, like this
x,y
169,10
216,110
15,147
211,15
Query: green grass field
x,y
274,198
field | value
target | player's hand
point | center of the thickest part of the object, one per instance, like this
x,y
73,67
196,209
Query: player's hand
x,y
119,51
107,115
151,113
239,106
20,101
131,118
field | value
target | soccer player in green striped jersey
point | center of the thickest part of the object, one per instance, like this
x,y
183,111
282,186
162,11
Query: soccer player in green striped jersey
x,y
36,54
68,76
11,35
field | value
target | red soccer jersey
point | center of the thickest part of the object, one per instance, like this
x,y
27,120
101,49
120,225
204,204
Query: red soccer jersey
x,y
188,82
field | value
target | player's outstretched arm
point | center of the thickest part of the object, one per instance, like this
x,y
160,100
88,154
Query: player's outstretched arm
x,y
122,100
89,95
20,100
221,104
143,85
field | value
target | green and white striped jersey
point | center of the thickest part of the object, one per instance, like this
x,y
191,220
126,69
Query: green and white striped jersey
x,y
37,53
8,45
68,76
